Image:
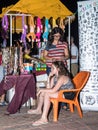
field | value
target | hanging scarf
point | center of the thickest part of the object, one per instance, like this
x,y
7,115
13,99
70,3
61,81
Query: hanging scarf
x,y
24,28
62,26
32,27
5,22
4,30
38,33
46,32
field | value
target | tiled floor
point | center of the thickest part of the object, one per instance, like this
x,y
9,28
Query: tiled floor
x,y
67,121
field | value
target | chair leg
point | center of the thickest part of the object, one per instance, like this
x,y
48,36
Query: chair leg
x,y
71,107
79,110
55,110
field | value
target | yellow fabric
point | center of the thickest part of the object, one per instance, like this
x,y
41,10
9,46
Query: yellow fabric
x,y
4,10
42,8
17,23
26,56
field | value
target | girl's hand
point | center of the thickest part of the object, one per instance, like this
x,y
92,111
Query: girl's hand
x,y
40,91
53,59
47,86
51,74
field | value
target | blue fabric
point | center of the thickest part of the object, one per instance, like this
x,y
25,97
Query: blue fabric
x,y
48,70
48,47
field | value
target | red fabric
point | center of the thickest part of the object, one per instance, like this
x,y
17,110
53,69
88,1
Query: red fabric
x,y
24,89
39,72
56,52
0,59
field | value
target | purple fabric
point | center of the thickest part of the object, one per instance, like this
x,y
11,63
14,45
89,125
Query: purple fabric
x,y
24,89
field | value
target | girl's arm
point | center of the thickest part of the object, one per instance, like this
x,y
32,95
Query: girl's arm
x,y
62,80
50,81
45,55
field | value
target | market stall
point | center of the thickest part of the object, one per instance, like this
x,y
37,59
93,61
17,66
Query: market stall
x,y
34,19
37,20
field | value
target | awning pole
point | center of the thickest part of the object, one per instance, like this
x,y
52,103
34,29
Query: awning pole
x,y
10,30
69,33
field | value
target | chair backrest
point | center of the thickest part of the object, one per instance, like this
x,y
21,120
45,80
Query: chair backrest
x,y
81,79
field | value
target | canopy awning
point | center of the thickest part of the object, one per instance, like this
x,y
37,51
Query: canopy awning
x,y
41,8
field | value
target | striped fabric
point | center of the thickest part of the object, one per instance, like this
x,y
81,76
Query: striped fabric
x,y
56,51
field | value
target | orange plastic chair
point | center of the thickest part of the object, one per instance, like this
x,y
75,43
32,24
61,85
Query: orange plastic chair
x,y
79,81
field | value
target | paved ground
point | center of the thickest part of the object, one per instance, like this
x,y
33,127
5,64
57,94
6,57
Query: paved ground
x,y
67,121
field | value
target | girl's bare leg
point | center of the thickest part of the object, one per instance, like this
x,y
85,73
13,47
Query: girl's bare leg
x,y
3,98
46,106
38,110
44,118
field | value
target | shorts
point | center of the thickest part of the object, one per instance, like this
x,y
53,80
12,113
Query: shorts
x,y
69,95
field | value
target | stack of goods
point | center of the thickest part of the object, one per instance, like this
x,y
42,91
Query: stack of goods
x,y
28,68
40,67
11,60
6,59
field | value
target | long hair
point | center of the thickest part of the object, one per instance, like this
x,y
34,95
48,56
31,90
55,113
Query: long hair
x,y
62,69
56,30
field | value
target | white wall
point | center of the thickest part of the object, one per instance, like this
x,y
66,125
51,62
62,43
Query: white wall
x,y
88,49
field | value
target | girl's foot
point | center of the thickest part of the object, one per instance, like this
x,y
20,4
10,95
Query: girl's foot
x,y
34,112
40,122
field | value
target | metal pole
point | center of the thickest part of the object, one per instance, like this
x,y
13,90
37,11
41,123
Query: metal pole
x,y
10,30
69,32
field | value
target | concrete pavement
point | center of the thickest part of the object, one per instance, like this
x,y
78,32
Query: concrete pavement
x,y
67,121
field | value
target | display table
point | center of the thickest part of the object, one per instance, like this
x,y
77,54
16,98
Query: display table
x,y
37,73
41,78
25,88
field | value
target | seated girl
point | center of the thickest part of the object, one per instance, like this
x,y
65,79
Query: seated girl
x,y
58,79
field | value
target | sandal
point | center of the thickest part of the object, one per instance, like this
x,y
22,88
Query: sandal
x,y
40,122
33,112
3,103
7,113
